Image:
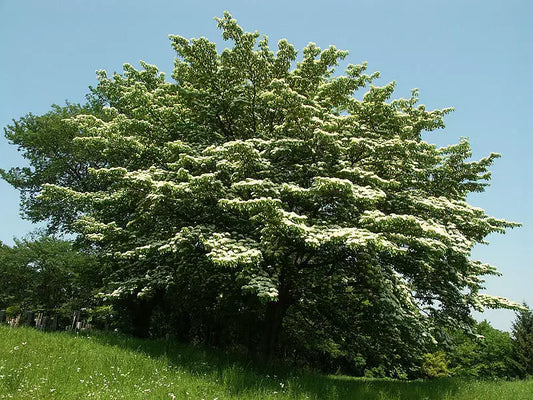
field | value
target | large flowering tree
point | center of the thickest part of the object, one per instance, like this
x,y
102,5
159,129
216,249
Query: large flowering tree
x,y
255,184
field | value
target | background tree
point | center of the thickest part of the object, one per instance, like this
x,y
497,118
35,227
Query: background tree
x,y
14,288
47,142
267,205
522,333
484,353
46,273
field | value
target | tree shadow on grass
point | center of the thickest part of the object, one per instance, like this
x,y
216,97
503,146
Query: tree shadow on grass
x,y
444,388
241,375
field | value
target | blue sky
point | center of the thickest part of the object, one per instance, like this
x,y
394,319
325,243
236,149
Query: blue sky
x,y
473,55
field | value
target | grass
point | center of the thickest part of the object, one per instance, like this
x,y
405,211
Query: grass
x,y
37,365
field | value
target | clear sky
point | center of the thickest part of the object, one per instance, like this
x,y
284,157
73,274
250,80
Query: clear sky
x,y
473,55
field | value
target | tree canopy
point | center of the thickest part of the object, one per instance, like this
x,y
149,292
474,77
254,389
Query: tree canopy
x,y
42,272
264,202
522,332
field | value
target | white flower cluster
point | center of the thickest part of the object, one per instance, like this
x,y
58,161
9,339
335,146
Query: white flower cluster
x,y
227,250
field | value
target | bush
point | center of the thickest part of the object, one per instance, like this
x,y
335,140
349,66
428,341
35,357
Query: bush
x,y
102,317
12,311
435,365
486,354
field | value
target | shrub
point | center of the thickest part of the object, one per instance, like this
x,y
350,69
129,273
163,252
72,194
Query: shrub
x,y
12,311
435,365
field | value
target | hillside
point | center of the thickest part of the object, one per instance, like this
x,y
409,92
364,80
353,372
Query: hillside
x,y
37,365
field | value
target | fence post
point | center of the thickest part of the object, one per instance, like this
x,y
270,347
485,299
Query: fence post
x,y
74,320
39,320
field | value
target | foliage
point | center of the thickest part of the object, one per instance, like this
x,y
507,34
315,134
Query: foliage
x,y
435,365
522,333
262,203
486,353
12,311
47,273
47,142
102,317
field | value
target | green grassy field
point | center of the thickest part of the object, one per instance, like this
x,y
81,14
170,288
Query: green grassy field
x,y
36,365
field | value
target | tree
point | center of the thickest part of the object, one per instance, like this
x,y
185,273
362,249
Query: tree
x,y
43,272
13,286
522,333
485,353
47,142
255,188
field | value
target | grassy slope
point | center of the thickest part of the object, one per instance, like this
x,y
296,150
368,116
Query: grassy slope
x,y
36,365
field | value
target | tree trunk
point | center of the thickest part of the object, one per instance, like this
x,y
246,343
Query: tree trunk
x,y
273,323
141,315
